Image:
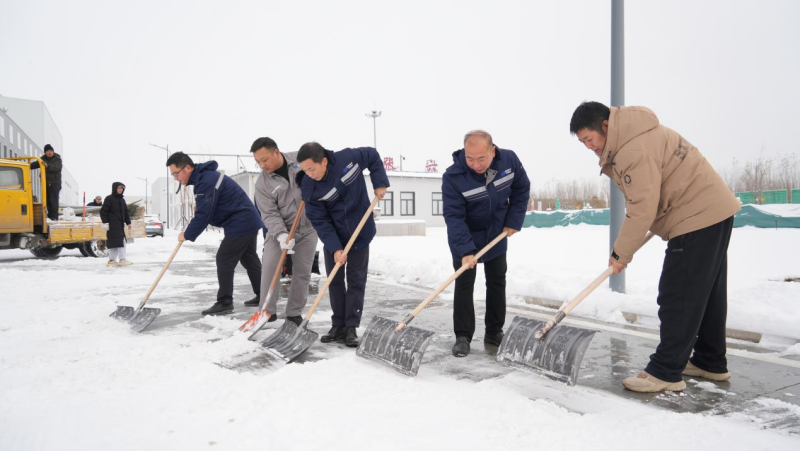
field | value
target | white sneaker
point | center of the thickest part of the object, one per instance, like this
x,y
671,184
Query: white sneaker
x,y
112,263
124,262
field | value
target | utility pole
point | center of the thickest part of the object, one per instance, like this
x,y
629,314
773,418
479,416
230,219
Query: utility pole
x,y
374,115
145,193
617,281
166,188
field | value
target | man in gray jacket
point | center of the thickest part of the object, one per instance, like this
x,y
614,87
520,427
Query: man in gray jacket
x,y
277,198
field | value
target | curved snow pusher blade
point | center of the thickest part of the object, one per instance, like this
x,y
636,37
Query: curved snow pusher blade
x,y
557,355
397,344
290,340
401,350
141,317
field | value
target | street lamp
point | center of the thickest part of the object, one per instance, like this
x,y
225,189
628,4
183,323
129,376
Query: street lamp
x,y
168,176
374,115
145,193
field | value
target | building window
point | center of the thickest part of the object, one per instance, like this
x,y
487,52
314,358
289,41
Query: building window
x,y
11,133
436,204
387,204
406,204
2,127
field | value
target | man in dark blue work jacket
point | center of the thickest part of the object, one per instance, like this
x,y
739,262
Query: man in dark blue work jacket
x,y
332,185
221,202
484,192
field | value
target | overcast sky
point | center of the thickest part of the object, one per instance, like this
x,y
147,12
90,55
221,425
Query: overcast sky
x,y
213,76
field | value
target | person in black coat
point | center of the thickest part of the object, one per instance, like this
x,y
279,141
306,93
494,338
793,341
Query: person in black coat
x,y
52,165
114,213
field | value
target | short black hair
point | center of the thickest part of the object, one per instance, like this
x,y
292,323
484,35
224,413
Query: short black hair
x,y
311,150
48,147
589,115
180,160
269,143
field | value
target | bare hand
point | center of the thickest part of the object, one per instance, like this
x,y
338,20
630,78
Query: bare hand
x,y
469,260
509,231
340,257
181,237
380,192
618,267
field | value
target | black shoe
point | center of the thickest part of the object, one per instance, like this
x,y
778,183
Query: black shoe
x,y
272,318
350,337
219,309
335,334
461,348
295,319
252,302
493,339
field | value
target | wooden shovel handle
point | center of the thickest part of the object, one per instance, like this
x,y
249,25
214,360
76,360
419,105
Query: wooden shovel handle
x,y
447,282
337,266
567,309
161,274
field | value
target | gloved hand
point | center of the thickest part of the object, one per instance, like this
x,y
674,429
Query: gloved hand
x,y
285,246
104,226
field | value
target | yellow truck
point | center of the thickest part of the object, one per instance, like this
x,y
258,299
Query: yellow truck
x,y
23,216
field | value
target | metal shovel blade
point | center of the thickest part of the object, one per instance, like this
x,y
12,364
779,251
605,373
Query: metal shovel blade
x,y
143,318
289,341
557,355
401,350
124,313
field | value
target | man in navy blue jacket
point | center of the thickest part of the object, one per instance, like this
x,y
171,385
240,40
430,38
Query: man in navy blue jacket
x,y
332,185
221,202
484,193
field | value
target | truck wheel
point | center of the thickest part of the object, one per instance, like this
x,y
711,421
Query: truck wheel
x,y
95,248
82,249
47,252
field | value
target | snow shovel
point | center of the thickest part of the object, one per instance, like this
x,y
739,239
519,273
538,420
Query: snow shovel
x,y
291,340
260,317
141,317
550,349
399,345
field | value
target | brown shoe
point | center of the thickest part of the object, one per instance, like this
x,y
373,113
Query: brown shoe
x,y
692,370
645,383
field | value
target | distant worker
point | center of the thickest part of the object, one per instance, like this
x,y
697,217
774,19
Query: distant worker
x,y
52,164
221,202
484,192
115,217
671,190
97,202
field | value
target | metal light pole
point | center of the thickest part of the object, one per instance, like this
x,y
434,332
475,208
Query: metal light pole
x,y
168,176
374,115
145,193
617,281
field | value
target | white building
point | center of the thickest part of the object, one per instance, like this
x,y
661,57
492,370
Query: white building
x,y
181,203
247,180
25,127
412,195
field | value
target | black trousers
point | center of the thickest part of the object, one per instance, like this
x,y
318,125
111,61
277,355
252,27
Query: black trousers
x,y
463,307
693,303
348,301
53,190
231,252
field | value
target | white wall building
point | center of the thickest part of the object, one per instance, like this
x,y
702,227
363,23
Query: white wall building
x,y
180,203
412,195
25,127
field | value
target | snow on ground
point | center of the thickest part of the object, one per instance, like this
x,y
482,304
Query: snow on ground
x,y
75,380
557,263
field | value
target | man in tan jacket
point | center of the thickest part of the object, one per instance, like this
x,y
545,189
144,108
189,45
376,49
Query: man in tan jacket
x,y
671,190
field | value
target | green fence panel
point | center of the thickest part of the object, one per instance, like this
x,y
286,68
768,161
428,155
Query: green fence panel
x,y
776,196
747,197
796,196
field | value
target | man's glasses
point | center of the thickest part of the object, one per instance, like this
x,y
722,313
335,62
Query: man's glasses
x,y
175,174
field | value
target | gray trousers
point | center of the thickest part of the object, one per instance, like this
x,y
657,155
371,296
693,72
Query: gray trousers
x,y
117,253
302,259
